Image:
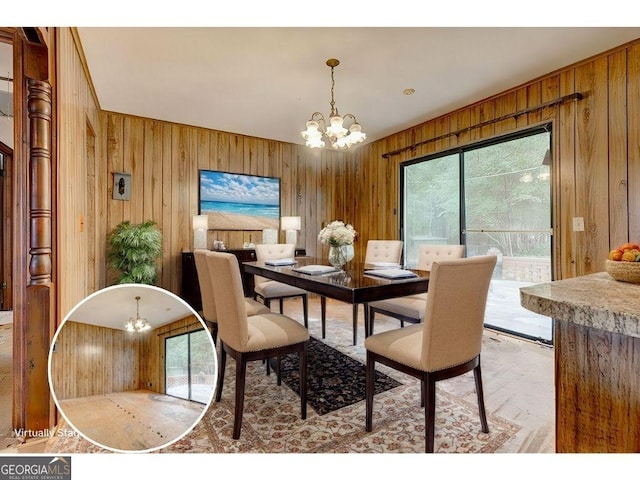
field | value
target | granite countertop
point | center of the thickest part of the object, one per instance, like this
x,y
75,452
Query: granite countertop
x,y
595,300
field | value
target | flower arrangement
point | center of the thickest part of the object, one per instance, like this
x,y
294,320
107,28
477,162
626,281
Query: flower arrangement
x,y
337,234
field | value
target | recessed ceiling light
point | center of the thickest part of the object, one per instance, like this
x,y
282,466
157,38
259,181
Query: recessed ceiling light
x,y
408,91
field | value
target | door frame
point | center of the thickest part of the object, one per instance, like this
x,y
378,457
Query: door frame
x,y
6,237
33,182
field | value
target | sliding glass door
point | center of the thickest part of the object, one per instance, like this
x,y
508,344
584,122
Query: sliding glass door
x,y
189,366
494,198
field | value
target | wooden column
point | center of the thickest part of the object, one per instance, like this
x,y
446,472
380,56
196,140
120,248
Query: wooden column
x,y
40,299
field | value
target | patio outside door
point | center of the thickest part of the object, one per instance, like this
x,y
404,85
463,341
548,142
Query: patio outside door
x,y
189,366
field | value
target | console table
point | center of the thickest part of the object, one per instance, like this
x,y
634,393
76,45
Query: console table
x,y
190,288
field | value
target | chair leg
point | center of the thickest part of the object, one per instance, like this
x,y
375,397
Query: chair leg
x,y
372,315
323,315
278,375
241,371
429,399
369,389
303,382
214,333
477,374
305,311
367,326
222,362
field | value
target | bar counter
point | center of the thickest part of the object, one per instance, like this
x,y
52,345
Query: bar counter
x,y
597,360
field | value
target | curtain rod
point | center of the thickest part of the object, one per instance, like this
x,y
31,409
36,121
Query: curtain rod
x,y
197,323
566,98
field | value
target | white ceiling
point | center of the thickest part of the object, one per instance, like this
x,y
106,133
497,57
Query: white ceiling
x,y
267,81
113,306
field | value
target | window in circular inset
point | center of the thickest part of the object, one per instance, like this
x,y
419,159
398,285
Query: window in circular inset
x,y
132,368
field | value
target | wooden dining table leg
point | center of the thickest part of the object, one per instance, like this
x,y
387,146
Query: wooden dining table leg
x,y
355,323
323,315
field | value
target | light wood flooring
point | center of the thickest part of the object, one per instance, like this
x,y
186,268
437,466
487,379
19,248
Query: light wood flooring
x,y
132,421
517,375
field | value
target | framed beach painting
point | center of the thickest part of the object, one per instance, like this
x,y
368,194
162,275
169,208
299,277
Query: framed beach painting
x,y
237,201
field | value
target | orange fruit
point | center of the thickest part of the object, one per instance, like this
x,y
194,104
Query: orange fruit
x,y
615,255
628,256
629,246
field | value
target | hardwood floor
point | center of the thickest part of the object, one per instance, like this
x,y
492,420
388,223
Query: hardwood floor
x,y
6,377
132,421
517,374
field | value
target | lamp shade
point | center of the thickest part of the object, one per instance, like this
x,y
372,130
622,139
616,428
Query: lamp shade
x,y
290,223
200,222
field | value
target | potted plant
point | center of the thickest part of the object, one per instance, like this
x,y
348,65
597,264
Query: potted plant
x,y
132,250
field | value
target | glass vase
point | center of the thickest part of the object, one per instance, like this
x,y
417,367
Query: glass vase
x,y
337,256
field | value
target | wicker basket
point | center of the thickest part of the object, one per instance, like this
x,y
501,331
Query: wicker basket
x,y
624,271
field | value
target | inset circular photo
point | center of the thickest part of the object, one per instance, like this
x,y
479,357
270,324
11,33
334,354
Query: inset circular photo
x,y
132,368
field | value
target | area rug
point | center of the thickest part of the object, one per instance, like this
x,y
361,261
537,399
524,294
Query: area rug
x,y
272,424
334,380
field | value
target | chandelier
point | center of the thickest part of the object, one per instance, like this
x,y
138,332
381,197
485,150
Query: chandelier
x,y
335,130
137,325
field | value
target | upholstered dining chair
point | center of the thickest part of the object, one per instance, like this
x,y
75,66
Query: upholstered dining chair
x,y
269,290
378,251
250,338
411,308
206,293
446,344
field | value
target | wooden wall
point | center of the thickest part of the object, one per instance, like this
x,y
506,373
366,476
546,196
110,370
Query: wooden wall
x,y
596,169
81,225
596,156
163,160
92,360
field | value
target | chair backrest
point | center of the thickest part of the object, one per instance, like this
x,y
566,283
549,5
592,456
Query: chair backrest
x,y
456,302
383,251
427,254
226,281
275,251
206,289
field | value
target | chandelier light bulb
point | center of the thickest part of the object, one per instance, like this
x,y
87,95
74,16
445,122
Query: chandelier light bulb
x,y
335,130
137,324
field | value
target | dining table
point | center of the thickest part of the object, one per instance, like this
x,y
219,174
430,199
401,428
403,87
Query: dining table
x,y
355,283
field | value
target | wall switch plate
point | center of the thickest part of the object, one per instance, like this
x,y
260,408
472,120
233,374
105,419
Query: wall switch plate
x,y
578,224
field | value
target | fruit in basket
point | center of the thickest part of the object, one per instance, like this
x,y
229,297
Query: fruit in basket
x,y
627,252
615,255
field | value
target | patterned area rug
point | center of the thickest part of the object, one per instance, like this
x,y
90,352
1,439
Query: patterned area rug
x,y
335,380
272,423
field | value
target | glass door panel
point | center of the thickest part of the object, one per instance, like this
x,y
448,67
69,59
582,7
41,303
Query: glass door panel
x,y
190,366
507,199
431,207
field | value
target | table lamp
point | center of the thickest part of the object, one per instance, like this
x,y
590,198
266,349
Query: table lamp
x,y
290,225
200,227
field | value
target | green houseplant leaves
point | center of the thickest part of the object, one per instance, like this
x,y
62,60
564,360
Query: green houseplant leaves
x,y
133,249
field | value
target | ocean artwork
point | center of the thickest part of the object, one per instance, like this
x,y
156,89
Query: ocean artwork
x,y
235,201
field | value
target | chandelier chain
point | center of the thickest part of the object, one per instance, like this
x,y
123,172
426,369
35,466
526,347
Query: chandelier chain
x,y
334,110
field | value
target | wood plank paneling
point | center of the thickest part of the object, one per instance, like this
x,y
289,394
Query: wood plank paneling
x,y
361,186
591,149
92,360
